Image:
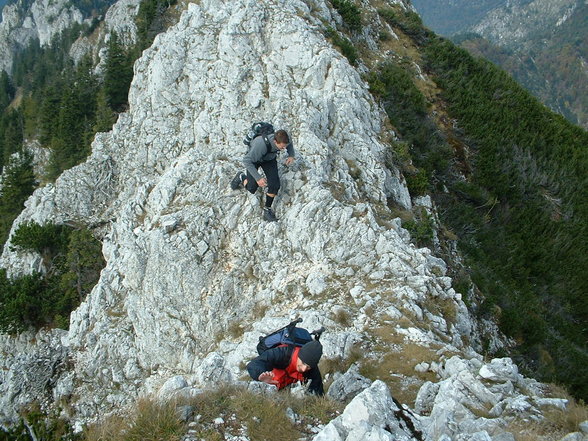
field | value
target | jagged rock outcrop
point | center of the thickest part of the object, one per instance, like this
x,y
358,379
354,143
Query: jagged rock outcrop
x,y
186,256
43,20
372,415
193,275
119,19
477,400
30,370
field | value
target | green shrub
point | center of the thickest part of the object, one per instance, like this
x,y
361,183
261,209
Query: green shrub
x,y
150,20
520,215
420,229
344,44
408,21
17,185
46,239
417,183
150,421
350,13
392,83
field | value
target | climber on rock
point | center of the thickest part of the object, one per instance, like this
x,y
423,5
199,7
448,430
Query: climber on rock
x,y
263,152
287,364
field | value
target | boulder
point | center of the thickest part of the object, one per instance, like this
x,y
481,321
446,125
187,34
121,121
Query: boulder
x,y
372,415
348,385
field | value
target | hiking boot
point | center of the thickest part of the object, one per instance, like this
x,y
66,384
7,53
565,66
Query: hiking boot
x,y
237,181
268,215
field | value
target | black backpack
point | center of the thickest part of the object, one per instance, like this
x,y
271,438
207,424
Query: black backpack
x,y
288,335
259,129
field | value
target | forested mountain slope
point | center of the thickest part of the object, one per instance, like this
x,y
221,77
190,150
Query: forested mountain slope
x,y
541,43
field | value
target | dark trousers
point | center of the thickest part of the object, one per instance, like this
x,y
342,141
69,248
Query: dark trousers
x,y
270,168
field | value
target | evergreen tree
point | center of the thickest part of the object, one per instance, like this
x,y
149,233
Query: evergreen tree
x,y
83,263
118,74
6,90
11,134
17,185
105,116
48,121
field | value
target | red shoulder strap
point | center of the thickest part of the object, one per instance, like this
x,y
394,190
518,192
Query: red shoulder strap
x,y
289,375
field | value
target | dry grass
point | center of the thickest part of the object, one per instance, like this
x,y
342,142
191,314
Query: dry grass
x,y
263,416
396,369
445,308
343,317
524,430
150,421
319,409
259,310
235,330
556,422
396,361
576,411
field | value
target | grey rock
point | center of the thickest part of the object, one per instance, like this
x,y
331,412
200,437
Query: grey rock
x,y
212,371
500,369
576,436
348,385
506,436
372,414
426,398
171,387
29,368
558,403
185,413
262,388
478,436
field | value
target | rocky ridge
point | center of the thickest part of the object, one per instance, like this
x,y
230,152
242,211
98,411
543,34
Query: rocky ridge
x,y
119,19
193,275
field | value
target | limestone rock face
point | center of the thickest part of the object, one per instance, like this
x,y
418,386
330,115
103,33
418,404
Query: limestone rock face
x,y
43,20
119,19
50,17
30,366
186,256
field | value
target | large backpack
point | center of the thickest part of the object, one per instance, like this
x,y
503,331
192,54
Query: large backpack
x,y
288,335
259,129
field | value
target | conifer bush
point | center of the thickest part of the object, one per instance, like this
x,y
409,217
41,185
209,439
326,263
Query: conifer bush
x,y
349,12
73,261
520,215
345,45
511,185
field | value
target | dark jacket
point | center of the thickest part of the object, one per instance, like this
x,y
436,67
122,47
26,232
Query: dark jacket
x,y
259,152
279,358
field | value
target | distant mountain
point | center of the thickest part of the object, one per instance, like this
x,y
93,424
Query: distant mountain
x,y
448,17
541,43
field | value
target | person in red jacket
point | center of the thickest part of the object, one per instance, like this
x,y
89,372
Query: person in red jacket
x,y
288,364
